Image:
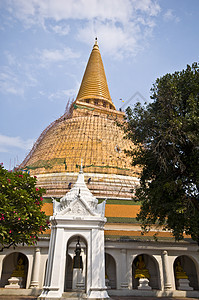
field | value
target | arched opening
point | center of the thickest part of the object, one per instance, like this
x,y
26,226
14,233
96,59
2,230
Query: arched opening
x,y
16,265
184,267
148,267
76,264
110,271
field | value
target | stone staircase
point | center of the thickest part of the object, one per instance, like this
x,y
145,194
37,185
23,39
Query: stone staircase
x,y
73,295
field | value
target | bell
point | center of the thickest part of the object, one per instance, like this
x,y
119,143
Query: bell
x,y
77,259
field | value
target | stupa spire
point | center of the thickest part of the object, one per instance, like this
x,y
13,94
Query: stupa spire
x,y
94,87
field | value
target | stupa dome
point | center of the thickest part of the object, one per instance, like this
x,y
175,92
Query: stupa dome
x,y
87,131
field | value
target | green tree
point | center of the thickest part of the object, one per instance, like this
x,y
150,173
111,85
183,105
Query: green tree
x,y
21,218
166,135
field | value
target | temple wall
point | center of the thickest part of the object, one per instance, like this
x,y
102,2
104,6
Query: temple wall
x,y
121,256
8,262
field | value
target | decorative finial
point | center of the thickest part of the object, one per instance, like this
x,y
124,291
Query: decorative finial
x,y
96,41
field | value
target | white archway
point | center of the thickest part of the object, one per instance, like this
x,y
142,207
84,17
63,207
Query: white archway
x,y
70,256
189,267
110,270
10,262
153,268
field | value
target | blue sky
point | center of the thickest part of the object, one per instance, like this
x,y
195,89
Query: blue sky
x,y
45,45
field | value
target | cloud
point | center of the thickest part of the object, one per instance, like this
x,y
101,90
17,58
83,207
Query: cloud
x,y
123,26
57,55
11,58
118,10
152,8
170,16
21,73
60,29
114,40
10,83
35,11
63,94
16,78
8,142
16,74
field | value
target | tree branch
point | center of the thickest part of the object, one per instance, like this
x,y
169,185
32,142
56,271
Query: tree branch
x,y
6,247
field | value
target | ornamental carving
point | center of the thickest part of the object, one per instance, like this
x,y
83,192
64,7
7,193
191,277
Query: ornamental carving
x,y
79,209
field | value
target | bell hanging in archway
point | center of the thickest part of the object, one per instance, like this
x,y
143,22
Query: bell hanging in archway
x,y
77,259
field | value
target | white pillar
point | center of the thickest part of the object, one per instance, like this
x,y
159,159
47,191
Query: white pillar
x,y
50,257
36,266
56,266
98,288
167,283
124,283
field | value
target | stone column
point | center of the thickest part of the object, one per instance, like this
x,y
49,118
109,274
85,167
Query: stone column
x,y
124,283
167,283
36,265
98,289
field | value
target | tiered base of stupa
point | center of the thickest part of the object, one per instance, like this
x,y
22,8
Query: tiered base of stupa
x,y
101,185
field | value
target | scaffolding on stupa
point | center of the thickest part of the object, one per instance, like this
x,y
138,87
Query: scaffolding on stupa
x,y
95,138
87,130
66,115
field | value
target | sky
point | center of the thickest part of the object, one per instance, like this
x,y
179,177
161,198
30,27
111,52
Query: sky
x,y
45,46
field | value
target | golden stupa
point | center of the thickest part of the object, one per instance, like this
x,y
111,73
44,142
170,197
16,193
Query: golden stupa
x,y
87,131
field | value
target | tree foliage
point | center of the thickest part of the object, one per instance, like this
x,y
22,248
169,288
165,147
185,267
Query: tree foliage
x,y
21,218
166,135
